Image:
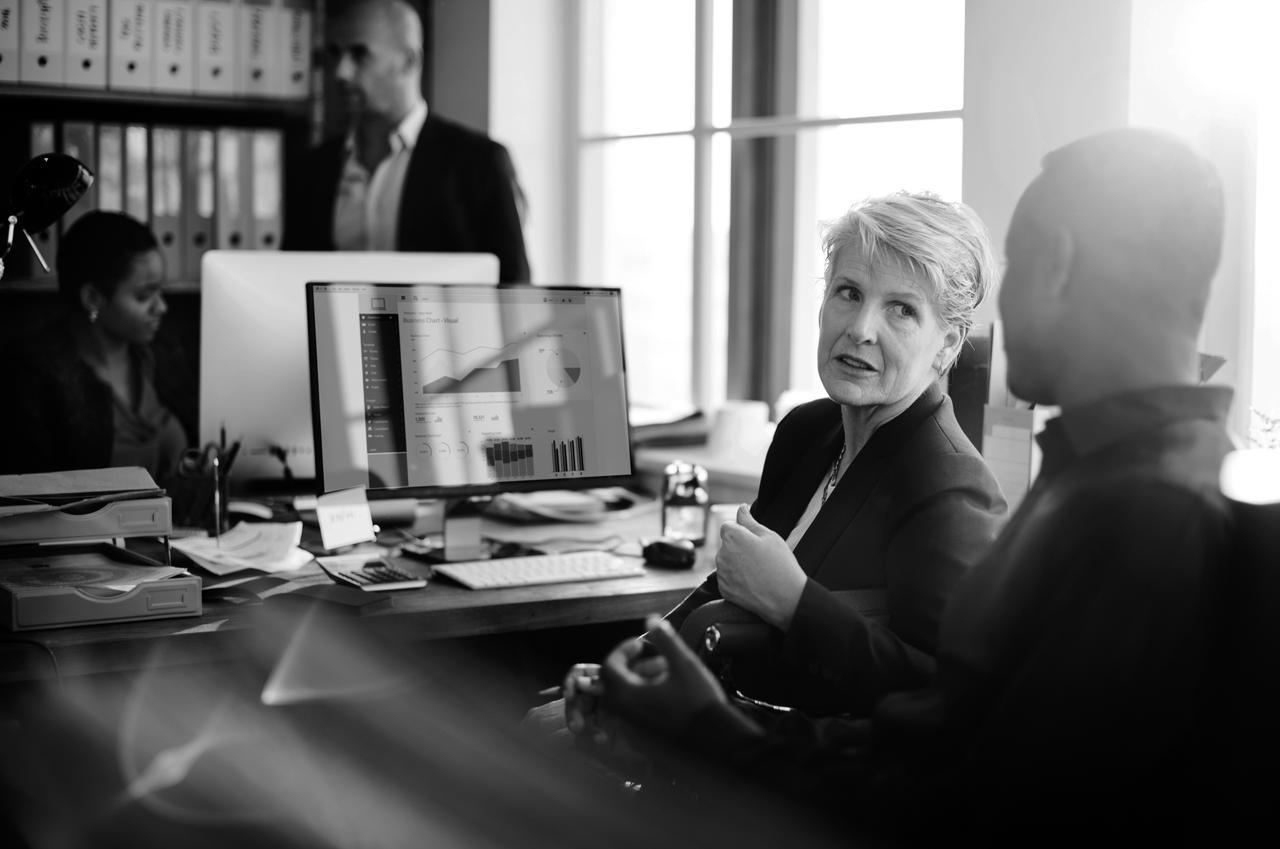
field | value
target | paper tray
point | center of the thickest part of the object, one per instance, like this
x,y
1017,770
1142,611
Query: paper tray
x,y
131,518
60,598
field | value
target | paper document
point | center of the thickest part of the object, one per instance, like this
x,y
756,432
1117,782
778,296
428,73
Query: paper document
x,y
79,569
267,546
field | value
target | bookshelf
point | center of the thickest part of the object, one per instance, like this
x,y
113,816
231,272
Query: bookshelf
x,y
269,101
269,94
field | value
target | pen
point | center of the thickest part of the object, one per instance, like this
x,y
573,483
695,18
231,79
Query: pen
x,y
217,504
222,436
551,692
231,458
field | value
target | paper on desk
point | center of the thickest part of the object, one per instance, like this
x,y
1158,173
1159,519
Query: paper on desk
x,y
268,546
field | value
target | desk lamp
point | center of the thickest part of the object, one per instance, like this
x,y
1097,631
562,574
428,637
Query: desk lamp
x,y
43,190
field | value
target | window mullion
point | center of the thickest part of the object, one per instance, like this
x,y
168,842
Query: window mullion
x,y
704,394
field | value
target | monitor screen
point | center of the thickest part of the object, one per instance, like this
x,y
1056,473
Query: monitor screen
x,y
253,345
449,391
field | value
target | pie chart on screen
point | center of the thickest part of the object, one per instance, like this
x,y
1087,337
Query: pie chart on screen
x,y
563,368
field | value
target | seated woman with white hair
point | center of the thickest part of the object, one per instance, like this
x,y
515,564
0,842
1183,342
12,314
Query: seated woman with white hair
x,y
872,501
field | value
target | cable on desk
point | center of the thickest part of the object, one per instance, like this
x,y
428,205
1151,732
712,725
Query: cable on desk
x,y
53,658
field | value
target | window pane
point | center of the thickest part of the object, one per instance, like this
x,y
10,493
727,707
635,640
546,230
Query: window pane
x,y
840,165
637,69
876,58
721,62
643,191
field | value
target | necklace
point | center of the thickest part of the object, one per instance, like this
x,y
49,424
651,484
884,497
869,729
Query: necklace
x,y
833,477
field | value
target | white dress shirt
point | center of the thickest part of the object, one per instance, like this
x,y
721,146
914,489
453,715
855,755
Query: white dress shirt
x,y
367,209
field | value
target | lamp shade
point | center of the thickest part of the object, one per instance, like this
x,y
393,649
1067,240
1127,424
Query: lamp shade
x,y
46,187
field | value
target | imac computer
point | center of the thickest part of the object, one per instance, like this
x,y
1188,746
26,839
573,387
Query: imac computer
x,y
455,392
253,348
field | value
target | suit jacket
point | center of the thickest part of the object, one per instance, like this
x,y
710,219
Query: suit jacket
x,y
459,195
912,512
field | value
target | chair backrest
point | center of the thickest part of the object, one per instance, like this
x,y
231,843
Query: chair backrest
x,y
1249,655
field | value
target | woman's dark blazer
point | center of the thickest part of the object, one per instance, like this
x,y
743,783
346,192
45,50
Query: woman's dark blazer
x,y
915,509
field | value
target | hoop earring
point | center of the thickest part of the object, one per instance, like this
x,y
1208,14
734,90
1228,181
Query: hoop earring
x,y
93,314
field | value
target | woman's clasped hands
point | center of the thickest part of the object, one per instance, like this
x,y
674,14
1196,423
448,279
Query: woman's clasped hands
x,y
757,571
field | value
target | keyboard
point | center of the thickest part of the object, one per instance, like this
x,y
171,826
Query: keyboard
x,y
539,569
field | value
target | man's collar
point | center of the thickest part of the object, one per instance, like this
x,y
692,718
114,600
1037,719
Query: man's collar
x,y
403,136
410,127
1094,426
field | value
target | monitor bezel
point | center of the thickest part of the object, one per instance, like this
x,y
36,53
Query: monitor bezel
x,y
466,490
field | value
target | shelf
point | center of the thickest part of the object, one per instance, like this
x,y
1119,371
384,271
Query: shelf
x,y
94,99
49,285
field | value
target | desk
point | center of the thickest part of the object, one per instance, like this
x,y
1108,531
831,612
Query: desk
x,y
442,610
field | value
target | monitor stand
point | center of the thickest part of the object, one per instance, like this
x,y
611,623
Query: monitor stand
x,y
464,538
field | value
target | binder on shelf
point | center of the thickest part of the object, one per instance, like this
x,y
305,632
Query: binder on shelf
x,y
166,197
10,38
215,47
231,202
43,140
79,140
131,48
137,198
260,60
175,61
86,62
43,37
198,193
109,177
293,29
268,187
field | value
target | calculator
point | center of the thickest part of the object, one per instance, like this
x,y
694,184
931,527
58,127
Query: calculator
x,y
372,574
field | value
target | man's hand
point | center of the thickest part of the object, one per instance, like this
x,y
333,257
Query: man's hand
x,y
757,571
664,690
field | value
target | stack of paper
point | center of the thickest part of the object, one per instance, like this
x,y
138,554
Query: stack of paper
x,y
267,546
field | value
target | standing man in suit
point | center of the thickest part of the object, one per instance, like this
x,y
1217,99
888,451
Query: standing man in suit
x,y
402,178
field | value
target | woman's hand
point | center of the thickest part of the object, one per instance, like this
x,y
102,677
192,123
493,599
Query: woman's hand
x,y
582,690
664,690
757,571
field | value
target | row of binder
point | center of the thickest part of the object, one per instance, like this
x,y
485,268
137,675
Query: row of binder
x,y
197,187
256,48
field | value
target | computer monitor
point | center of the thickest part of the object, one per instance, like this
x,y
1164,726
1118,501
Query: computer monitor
x,y
458,391
253,347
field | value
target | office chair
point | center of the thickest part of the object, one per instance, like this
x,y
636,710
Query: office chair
x,y
728,638
1246,719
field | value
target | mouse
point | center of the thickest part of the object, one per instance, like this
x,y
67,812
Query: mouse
x,y
669,553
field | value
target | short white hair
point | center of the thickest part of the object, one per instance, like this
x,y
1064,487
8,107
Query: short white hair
x,y
944,242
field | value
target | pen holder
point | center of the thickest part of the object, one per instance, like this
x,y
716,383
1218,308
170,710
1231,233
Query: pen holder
x,y
199,498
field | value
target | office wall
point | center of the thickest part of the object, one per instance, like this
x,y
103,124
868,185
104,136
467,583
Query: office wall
x,y
1184,80
1038,73
460,61
532,113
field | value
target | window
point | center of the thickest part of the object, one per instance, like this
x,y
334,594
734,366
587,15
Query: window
x,y
715,136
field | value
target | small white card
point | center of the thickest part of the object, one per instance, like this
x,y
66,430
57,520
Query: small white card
x,y
344,518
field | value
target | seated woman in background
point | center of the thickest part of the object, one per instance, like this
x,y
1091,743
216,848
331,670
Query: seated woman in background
x,y
872,502
82,394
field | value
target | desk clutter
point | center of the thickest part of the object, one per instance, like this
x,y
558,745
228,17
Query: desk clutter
x,y
98,545
57,570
